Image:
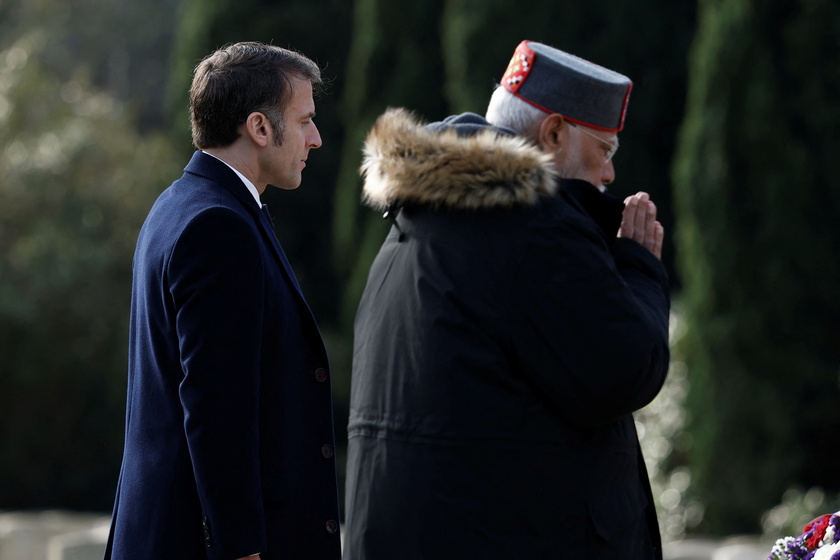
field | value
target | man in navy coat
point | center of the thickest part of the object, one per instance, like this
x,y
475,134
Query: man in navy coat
x,y
229,429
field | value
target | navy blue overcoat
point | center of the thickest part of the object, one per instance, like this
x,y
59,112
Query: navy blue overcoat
x,y
229,427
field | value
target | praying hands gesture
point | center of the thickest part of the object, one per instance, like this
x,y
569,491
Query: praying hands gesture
x,y
638,222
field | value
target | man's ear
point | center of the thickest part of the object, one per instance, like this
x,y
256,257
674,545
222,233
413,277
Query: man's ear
x,y
553,134
258,128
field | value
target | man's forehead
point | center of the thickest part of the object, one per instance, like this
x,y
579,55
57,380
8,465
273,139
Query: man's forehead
x,y
301,99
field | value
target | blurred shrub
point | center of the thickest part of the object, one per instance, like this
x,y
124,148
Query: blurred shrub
x,y
76,181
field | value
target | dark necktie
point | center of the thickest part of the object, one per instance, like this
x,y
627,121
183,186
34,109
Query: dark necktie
x,y
268,216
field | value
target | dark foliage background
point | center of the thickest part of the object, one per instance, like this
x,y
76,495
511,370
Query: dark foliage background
x,y
758,254
730,128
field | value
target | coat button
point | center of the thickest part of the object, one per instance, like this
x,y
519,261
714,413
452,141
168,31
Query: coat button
x,y
320,375
208,539
326,450
331,527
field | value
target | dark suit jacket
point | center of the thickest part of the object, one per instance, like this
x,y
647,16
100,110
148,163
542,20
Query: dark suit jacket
x,y
229,428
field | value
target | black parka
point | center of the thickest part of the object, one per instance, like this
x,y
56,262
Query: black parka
x,y
504,339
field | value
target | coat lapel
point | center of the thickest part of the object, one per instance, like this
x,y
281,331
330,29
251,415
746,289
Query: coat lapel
x,y
215,170
268,230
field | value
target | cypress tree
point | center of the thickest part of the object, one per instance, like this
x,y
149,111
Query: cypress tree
x,y
757,248
394,60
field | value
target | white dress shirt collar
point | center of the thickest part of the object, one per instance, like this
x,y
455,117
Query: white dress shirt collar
x,y
248,184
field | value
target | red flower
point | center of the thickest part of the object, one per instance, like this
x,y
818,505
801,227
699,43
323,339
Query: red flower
x,y
819,526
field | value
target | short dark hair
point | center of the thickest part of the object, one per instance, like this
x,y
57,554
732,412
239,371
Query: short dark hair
x,y
239,79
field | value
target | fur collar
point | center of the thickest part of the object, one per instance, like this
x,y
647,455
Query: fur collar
x,y
407,163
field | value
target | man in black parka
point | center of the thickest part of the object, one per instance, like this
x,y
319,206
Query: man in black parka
x,y
514,319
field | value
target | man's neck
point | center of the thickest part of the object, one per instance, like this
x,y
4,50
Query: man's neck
x,y
234,156
248,183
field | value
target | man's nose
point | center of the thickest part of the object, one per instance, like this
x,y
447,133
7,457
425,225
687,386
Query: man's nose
x,y
314,140
607,173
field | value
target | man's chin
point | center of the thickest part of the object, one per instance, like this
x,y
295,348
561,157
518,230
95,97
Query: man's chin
x,y
285,187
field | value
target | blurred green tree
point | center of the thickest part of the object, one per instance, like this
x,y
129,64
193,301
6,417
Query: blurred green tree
x,y
758,254
122,46
75,183
396,60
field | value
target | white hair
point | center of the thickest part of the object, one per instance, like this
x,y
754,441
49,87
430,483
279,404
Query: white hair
x,y
505,109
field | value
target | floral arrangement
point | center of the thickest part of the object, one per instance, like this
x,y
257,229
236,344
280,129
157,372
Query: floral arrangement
x,y
820,540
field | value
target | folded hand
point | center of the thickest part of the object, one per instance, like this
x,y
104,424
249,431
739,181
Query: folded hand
x,y
639,223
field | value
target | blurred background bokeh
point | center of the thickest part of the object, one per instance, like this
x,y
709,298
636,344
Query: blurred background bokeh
x,y
733,127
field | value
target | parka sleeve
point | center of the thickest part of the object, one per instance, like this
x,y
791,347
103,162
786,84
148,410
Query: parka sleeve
x,y
590,326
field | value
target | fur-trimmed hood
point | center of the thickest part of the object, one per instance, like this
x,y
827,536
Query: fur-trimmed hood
x,y
450,165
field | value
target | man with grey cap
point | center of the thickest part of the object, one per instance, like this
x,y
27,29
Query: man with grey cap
x,y
514,319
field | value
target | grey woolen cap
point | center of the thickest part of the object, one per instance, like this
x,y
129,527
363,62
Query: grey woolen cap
x,y
558,82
